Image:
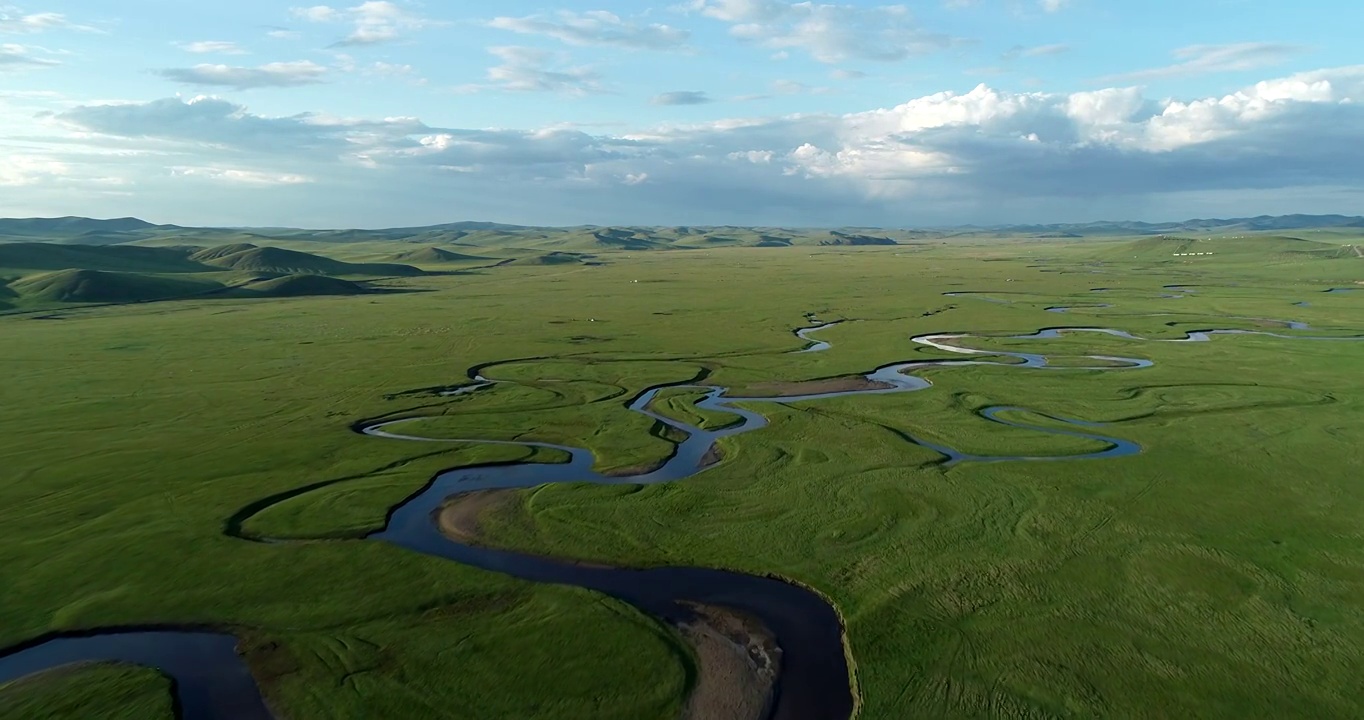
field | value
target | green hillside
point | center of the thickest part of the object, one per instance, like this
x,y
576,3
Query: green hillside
x,y
101,286
221,251
69,228
305,285
434,256
279,261
128,258
553,258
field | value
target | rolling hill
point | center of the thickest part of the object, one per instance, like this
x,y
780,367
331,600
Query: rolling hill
x,y
129,258
72,227
841,238
220,251
435,256
279,261
101,286
552,258
591,238
305,285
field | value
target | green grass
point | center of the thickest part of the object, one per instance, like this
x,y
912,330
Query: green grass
x,y
115,692
431,255
1217,574
305,285
281,261
102,286
680,404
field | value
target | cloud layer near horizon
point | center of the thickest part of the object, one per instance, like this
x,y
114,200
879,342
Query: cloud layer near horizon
x,y
980,148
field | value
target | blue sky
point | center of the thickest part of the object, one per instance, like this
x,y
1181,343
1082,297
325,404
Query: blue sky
x,y
386,113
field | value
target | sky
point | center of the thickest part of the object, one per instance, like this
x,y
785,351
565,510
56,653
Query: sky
x,y
392,113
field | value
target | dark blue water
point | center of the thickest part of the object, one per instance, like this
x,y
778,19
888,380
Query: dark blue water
x,y
211,680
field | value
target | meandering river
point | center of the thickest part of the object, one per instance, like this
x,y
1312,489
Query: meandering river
x,y
813,683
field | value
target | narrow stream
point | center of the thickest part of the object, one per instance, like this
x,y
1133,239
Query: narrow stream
x,y
815,345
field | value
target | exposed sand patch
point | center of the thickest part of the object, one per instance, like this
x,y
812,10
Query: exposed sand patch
x,y
713,456
461,520
811,387
738,663
633,470
737,657
460,516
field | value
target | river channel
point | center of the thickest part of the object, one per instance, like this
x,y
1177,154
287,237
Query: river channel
x,y
813,681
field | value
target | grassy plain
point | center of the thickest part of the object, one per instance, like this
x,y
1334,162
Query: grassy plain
x,y
1217,574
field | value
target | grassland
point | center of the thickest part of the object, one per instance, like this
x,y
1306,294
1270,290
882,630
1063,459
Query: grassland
x,y
1217,574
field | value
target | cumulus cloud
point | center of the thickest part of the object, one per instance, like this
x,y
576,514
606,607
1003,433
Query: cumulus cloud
x,y
984,148
278,74
206,47
373,22
595,28
17,57
829,33
682,97
1204,59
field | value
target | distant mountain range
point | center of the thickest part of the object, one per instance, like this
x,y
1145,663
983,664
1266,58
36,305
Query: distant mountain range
x,y
1262,223
87,231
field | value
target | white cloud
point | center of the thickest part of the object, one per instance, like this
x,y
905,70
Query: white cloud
x,y
278,74
1204,59
757,157
19,170
1102,112
950,152
240,176
374,21
526,69
14,21
595,28
829,33
18,57
380,69
316,13
1052,6
205,47
210,122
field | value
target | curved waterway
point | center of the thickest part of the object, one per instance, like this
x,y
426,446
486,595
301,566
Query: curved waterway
x,y
813,679
815,345
211,680
1068,308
